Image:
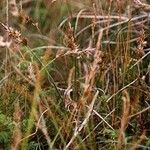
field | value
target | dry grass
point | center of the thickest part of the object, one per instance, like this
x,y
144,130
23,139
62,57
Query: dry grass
x,y
74,75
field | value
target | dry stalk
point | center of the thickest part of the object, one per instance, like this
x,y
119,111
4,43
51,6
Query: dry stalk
x,y
90,77
120,23
43,128
124,120
17,134
91,16
77,20
96,113
103,17
135,145
69,103
69,39
88,96
139,60
141,5
128,85
77,147
37,126
41,121
37,76
83,124
140,112
34,106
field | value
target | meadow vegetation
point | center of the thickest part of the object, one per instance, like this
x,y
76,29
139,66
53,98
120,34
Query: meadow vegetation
x,y
75,75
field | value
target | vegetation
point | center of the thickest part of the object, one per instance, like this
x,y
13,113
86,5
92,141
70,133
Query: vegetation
x,y
74,75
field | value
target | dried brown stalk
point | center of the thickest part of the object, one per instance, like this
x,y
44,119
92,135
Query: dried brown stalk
x,y
124,119
17,134
87,116
90,77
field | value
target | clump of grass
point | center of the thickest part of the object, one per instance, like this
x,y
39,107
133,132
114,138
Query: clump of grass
x,y
77,80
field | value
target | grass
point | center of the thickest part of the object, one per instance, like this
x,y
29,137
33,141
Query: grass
x,y
74,75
